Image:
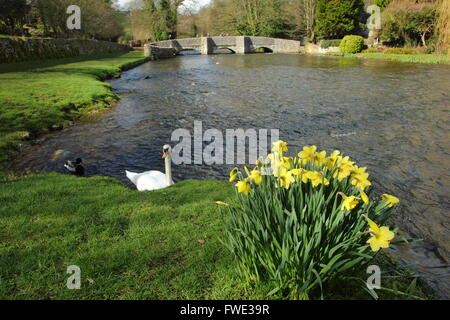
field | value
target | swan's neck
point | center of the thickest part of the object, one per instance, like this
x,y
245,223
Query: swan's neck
x,y
168,162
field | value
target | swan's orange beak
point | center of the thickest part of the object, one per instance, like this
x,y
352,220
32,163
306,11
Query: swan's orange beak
x,y
164,155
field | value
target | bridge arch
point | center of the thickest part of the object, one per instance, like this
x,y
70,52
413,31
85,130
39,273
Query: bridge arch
x,y
189,51
230,51
262,50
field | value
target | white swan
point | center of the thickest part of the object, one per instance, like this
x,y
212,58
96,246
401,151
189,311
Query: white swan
x,y
154,180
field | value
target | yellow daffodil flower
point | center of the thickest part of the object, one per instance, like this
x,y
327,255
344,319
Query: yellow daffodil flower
x,y
342,172
317,178
346,161
233,175
287,162
220,203
359,178
359,173
303,173
389,200
256,176
364,196
361,184
307,154
278,164
349,203
380,237
243,187
280,146
273,157
285,178
319,158
333,159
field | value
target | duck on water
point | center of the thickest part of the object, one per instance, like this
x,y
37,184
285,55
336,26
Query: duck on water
x,y
75,167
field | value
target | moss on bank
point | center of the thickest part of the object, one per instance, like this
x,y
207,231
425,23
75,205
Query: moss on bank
x,y
128,244
39,96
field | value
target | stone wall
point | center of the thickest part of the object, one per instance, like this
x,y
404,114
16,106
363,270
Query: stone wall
x,y
17,49
312,48
158,52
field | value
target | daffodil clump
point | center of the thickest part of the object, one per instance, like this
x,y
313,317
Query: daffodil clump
x,y
302,221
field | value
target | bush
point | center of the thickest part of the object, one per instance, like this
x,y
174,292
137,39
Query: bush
x,y
324,44
304,221
399,51
352,44
371,50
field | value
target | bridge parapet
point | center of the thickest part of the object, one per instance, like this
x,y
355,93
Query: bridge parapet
x,y
238,44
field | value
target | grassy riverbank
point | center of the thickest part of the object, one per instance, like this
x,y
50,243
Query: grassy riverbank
x,y
128,244
411,58
37,96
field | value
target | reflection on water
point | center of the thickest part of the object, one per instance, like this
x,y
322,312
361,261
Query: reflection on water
x,y
391,117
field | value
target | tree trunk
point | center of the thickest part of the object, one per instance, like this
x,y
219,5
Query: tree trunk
x,y
424,40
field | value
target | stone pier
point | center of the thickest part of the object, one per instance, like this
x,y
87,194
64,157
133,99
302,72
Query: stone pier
x,y
206,45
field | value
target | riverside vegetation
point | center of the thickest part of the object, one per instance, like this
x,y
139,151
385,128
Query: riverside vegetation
x,y
352,46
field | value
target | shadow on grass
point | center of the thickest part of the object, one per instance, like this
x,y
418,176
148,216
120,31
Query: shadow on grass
x,y
48,63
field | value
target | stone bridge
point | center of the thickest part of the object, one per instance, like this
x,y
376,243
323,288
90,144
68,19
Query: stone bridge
x,y
236,44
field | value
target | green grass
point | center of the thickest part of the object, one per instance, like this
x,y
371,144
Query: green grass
x,y
411,58
22,37
128,244
37,96
133,245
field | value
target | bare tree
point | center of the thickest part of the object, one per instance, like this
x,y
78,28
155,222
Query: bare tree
x,y
99,18
309,13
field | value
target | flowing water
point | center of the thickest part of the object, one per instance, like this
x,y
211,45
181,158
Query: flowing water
x,y
391,117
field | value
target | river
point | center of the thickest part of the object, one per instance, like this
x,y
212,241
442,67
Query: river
x,y
391,117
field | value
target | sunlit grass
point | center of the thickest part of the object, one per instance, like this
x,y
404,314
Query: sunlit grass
x,y
131,244
411,58
38,95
